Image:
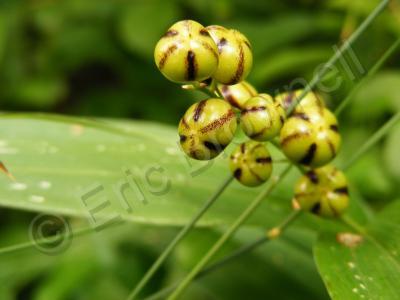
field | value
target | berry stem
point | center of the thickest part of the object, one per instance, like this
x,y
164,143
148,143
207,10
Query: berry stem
x,y
182,233
227,235
211,91
236,254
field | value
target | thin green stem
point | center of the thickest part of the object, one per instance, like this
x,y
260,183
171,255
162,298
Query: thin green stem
x,y
162,294
31,244
388,53
184,231
338,54
226,236
373,139
227,259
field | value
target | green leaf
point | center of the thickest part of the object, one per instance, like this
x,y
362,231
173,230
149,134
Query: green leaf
x,y
56,164
368,270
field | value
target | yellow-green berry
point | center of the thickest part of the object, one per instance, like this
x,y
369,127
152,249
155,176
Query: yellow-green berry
x,y
311,138
186,53
260,118
237,94
323,191
235,55
251,163
207,128
310,100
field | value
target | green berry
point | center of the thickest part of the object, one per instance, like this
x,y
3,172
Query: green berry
x,y
237,94
186,53
261,119
251,163
323,191
235,55
207,128
310,100
311,137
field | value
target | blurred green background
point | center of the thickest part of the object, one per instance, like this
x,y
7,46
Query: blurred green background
x,y
95,58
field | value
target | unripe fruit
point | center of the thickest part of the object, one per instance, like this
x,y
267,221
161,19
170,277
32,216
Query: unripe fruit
x,y
311,138
207,128
261,119
251,163
235,55
237,94
186,53
323,192
310,100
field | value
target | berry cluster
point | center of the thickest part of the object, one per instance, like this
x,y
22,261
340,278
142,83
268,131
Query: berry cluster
x,y
218,60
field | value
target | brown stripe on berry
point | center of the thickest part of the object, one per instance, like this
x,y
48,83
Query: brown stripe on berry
x,y
308,158
221,43
204,32
237,173
331,148
253,109
334,128
256,175
211,49
312,176
219,122
199,110
316,208
264,160
293,136
228,96
302,116
287,101
242,148
193,153
240,67
170,33
182,138
247,44
191,66
256,147
342,190
211,146
281,119
257,134
184,123
171,49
